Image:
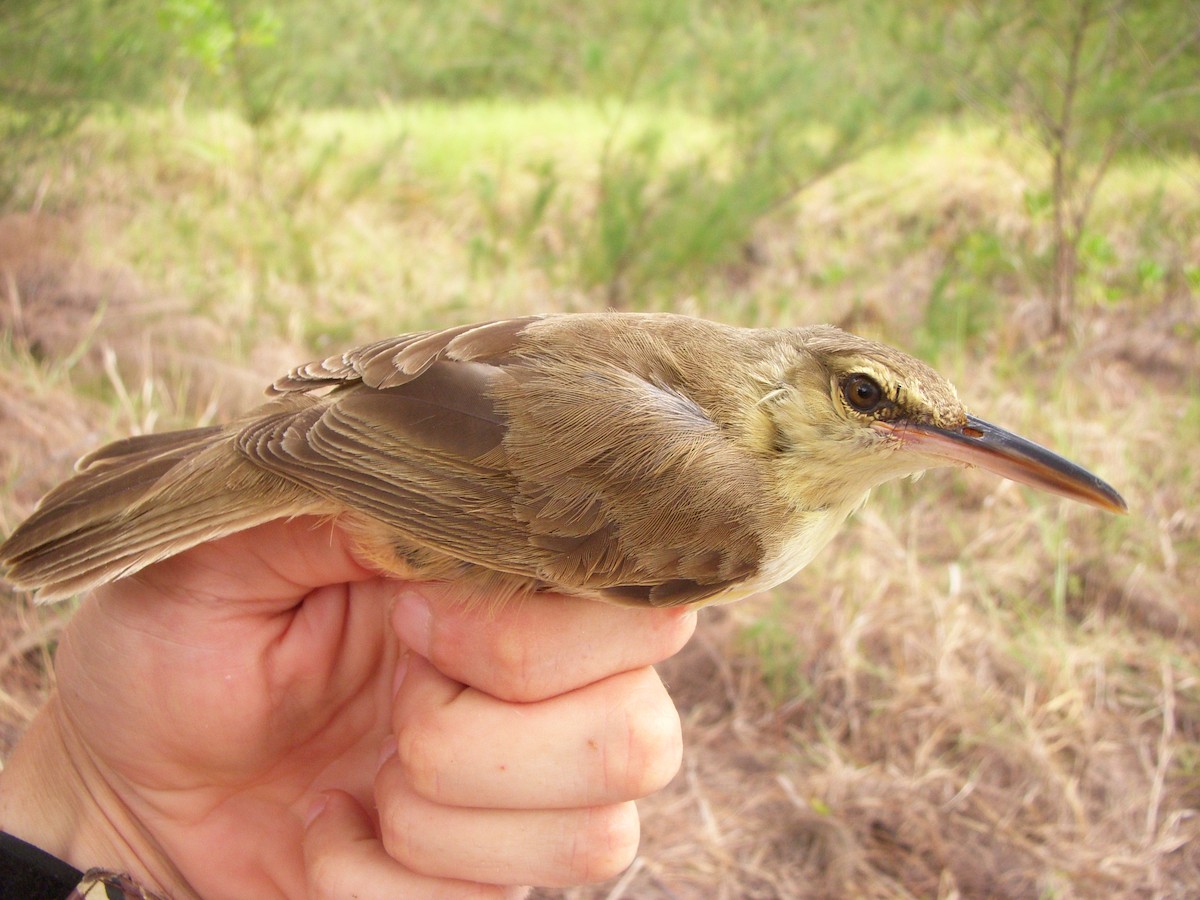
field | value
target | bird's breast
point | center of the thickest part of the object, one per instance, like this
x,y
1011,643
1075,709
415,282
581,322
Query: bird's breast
x,y
798,542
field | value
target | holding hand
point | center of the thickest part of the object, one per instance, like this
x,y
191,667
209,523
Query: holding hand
x,y
212,705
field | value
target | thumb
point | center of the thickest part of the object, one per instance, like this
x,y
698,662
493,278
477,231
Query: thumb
x,y
275,561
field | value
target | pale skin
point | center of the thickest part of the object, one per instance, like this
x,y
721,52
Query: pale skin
x,y
264,716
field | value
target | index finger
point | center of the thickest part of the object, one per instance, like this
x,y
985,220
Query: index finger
x,y
538,645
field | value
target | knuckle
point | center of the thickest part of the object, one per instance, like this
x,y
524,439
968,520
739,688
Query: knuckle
x,y
328,875
322,878
499,659
398,836
421,754
676,627
647,749
604,844
471,892
513,670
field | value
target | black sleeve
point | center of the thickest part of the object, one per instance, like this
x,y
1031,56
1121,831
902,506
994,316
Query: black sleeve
x,y
29,873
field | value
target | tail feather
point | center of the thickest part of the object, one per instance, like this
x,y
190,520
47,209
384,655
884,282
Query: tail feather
x,y
105,486
138,501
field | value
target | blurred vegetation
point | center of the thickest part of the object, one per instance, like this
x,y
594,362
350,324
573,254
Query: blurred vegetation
x,y
783,93
1093,80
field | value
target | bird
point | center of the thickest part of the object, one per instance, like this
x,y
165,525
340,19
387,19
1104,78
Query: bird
x,y
643,459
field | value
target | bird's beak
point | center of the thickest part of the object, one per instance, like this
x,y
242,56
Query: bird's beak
x,y
979,443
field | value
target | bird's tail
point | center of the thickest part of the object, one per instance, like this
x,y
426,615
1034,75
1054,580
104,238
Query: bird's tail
x,y
135,502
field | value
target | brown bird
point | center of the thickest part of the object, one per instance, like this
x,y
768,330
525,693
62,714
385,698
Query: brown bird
x,y
634,458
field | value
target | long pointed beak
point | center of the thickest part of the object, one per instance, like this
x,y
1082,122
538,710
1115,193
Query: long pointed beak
x,y
979,443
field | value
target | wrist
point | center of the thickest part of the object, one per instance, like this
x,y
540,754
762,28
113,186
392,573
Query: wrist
x,y
53,797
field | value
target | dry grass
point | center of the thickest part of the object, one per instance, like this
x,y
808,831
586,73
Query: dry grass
x,y
974,692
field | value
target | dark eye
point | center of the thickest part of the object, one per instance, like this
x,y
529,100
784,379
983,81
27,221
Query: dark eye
x,y
863,393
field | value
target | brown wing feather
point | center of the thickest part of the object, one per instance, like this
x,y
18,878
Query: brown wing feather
x,y
110,479
663,509
138,501
397,360
146,446
478,447
421,458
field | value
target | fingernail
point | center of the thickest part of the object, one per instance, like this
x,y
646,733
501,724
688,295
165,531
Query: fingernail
x,y
386,752
413,621
315,809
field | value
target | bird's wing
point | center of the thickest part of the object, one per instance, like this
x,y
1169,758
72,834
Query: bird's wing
x,y
423,457
394,361
471,445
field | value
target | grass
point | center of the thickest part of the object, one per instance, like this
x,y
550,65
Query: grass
x,y
976,691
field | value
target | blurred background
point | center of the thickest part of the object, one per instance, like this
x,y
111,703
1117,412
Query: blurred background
x,y
975,691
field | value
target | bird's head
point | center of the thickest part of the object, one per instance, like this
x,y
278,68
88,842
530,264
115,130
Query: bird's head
x,y
850,414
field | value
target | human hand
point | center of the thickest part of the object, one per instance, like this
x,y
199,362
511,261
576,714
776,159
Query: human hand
x,y
210,704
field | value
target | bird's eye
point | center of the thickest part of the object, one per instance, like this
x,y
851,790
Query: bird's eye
x,y
863,393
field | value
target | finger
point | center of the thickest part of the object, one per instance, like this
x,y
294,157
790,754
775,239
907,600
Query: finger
x,y
343,857
550,848
616,740
537,646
